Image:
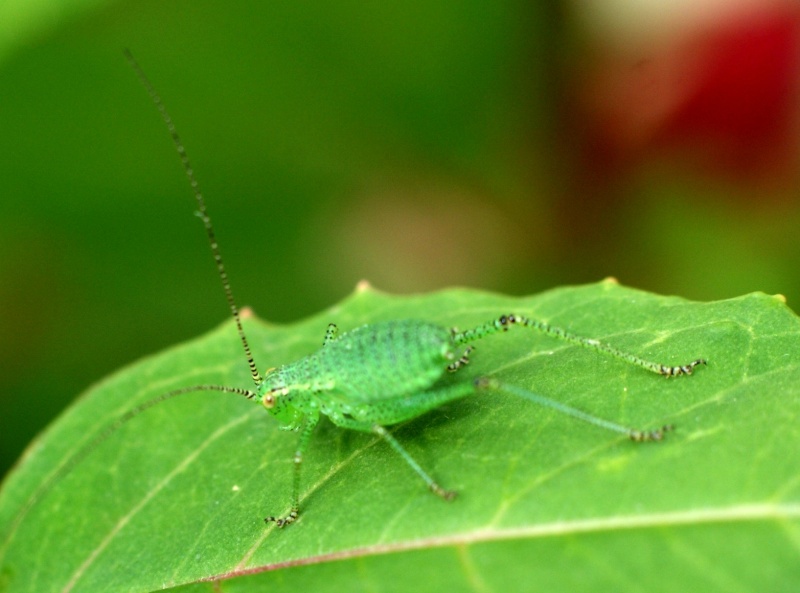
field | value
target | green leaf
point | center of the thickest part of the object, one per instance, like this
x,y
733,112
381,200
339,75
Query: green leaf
x,y
178,495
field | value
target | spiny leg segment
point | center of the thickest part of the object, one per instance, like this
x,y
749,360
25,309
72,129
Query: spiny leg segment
x,y
503,322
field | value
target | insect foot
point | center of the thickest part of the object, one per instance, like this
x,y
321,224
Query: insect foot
x,y
283,521
642,436
447,495
685,369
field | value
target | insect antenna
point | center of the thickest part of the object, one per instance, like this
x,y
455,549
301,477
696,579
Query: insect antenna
x,y
201,211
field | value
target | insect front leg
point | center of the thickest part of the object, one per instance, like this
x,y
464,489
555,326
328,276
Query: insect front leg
x,y
306,430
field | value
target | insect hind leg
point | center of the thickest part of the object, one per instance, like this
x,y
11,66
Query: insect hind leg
x,y
504,322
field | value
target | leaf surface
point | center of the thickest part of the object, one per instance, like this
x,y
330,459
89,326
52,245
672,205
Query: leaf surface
x,y
176,498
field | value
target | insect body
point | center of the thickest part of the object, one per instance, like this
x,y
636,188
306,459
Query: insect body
x,y
369,377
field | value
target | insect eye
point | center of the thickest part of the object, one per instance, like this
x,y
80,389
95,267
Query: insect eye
x,y
268,401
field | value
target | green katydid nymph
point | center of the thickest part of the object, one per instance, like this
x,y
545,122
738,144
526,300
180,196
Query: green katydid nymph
x,y
380,374
373,376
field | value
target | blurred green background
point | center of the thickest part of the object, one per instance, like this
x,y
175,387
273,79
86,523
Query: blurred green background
x,y
417,145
